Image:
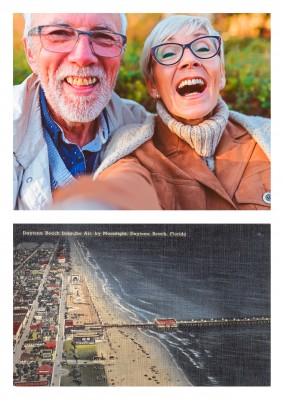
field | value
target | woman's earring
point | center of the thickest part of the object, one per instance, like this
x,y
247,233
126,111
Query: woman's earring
x,y
157,96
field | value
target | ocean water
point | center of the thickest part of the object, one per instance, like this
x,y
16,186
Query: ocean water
x,y
215,271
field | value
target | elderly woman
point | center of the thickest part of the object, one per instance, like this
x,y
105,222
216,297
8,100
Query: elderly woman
x,y
195,154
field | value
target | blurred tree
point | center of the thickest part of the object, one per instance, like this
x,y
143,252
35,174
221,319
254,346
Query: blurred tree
x,y
248,76
20,65
247,55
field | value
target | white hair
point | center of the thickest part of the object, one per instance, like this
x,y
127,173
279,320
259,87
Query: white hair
x,y
168,27
29,18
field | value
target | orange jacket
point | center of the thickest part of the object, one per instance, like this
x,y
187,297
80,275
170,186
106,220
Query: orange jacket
x,y
166,173
182,180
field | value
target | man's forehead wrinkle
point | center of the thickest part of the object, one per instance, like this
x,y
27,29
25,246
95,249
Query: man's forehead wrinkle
x,y
58,22
102,27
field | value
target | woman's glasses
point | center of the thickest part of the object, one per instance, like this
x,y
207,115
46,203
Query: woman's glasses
x,y
171,53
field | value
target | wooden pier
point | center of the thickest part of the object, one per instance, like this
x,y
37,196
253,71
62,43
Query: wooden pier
x,y
198,323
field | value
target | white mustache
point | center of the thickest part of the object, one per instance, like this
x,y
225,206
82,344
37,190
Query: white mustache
x,y
63,72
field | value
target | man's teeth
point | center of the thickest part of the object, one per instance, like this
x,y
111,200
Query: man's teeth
x,y
81,81
191,82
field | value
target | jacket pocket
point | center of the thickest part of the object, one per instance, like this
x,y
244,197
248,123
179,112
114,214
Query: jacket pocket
x,y
179,194
254,191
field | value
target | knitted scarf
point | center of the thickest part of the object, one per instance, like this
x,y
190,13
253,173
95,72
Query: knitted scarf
x,y
203,138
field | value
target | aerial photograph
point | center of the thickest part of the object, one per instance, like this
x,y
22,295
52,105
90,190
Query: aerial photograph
x,y
141,305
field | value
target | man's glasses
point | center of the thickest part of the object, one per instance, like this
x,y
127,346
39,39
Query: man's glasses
x,y
171,53
62,39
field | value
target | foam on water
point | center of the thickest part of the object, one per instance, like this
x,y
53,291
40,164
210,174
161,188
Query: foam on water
x,y
139,294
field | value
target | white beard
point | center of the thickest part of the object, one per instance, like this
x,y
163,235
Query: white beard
x,y
80,108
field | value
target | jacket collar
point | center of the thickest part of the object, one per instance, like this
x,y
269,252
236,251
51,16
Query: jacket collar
x,y
27,127
172,141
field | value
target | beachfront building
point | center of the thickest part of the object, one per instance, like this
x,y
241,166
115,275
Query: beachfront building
x,y
61,259
97,329
84,338
166,324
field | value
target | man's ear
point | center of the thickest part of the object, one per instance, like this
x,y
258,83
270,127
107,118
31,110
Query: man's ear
x,y
30,56
151,86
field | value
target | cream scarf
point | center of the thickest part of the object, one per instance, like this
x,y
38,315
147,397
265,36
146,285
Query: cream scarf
x,y
203,138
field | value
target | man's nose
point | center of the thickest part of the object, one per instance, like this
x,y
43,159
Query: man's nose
x,y
82,54
189,60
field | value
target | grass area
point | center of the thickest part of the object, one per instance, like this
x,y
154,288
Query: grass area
x,y
90,375
36,272
35,335
68,349
84,352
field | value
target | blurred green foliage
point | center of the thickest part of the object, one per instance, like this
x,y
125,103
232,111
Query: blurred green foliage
x,y
247,63
20,65
130,82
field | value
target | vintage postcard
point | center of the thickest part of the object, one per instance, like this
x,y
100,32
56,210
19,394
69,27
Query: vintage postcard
x,y
141,305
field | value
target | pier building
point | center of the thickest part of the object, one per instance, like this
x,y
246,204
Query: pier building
x,y
166,324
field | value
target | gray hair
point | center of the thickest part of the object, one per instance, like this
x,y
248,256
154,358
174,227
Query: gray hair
x,y
168,27
29,18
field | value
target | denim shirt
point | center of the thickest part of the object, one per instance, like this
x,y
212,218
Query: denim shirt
x,y
77,160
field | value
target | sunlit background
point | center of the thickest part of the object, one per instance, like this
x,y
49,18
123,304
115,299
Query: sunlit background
x,y
247,57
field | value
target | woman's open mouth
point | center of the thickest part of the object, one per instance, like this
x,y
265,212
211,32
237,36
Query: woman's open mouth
x,y
189,87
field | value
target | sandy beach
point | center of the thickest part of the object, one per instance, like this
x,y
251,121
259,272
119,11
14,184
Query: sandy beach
x,y
132,357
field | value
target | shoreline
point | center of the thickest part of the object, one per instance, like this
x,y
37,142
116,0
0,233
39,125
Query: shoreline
x,y
134,358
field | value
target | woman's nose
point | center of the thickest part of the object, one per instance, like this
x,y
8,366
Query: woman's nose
x,y
82,54
189,60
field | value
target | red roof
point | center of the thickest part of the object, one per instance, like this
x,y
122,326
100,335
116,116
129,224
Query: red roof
x,y
32,383
166,321
35,327
16,326
68,322
20,311
44,370
50,345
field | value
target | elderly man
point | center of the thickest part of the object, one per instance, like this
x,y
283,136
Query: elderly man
x,y
66,110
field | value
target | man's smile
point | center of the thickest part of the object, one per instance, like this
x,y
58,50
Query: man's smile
x,y
78,81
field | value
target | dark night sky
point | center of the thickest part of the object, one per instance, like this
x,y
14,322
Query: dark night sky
x,y
252,240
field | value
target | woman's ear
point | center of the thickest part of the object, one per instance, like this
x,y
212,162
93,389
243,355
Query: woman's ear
x,y
151,86
222,82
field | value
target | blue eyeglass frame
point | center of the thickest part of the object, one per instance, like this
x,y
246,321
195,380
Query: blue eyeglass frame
x,y
186,46
37,31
